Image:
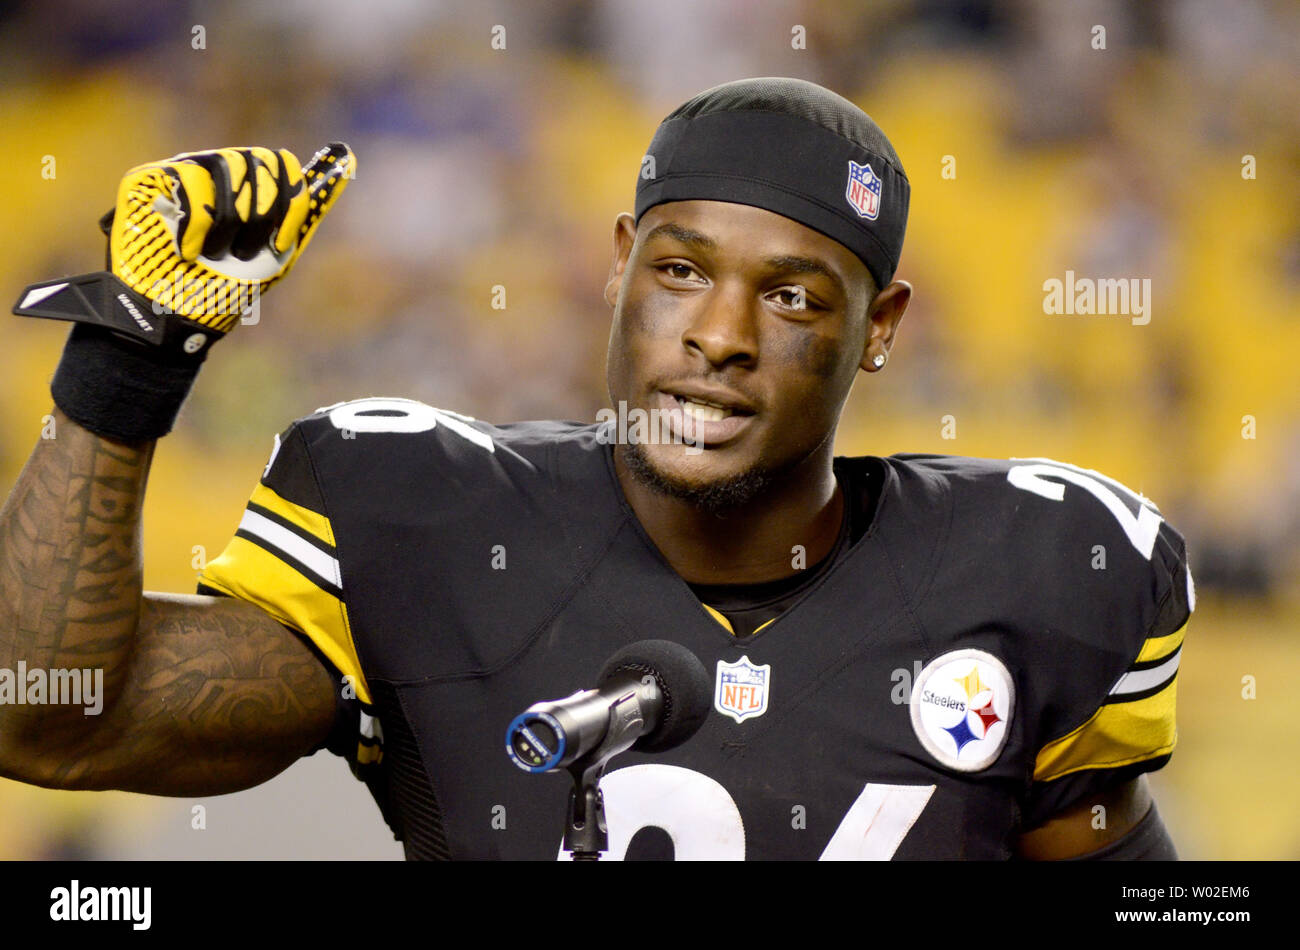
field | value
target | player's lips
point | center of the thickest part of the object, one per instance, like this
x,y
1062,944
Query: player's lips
x,y
703,415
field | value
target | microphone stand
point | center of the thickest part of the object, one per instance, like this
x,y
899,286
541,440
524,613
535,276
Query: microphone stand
x,y
585,831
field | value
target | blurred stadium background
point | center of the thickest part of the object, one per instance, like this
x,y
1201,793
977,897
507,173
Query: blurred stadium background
x,y
480,167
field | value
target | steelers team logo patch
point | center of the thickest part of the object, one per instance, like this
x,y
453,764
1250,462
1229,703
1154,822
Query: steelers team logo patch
x,y
961,709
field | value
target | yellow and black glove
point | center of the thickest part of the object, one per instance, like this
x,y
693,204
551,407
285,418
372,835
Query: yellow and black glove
x,y
204,234
194,241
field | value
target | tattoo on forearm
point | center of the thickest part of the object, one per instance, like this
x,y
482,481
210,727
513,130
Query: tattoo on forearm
x,y
70,571
202,695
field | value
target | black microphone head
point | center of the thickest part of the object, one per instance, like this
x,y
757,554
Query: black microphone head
x,y
681,677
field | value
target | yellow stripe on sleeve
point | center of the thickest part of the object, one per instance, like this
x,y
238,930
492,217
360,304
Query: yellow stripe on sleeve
x,y
1117,734
1157,648
250,572
317,525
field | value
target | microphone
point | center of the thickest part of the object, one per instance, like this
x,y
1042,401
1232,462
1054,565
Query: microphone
x,y
650,696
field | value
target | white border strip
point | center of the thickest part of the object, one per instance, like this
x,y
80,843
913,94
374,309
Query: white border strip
x,y
281,537
1142,680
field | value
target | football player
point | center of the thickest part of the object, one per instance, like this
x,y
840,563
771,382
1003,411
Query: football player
x,y
914,656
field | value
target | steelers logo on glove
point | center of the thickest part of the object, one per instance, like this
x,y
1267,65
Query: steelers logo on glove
x,y
204,234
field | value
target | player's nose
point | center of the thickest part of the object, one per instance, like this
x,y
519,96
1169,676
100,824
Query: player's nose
x,y
723,328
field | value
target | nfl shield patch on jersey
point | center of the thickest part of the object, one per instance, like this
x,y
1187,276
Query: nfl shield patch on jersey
x,y
741,689
962,705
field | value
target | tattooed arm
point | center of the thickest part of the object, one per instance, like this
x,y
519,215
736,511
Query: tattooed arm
x,y
202,695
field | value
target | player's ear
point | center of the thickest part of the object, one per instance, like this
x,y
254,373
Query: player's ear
x,y
624,238
884,315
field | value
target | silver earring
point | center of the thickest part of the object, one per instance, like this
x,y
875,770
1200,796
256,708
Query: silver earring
x,y
878,360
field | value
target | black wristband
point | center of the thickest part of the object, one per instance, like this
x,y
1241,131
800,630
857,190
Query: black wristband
x,y
119,388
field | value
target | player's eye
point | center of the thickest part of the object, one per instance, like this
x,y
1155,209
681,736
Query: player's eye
x,y
677,270
794,298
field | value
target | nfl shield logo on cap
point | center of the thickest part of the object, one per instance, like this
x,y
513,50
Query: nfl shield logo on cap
x,y
863,192
741,689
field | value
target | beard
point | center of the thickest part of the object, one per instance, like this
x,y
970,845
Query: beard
x,y
717,497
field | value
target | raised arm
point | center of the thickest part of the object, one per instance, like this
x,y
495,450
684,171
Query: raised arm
x,y
201,695
182,694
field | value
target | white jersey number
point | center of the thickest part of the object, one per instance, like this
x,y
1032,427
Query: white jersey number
x,y
1141,528
403,415
704,822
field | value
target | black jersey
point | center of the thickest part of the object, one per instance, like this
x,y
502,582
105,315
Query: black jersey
x,y
999,644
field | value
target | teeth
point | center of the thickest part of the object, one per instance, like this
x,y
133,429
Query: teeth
x,y
703,411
